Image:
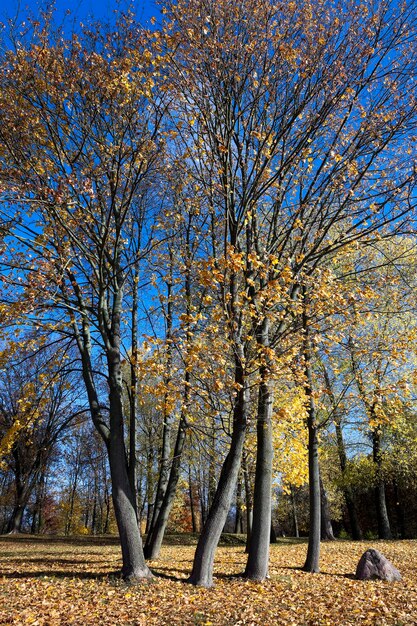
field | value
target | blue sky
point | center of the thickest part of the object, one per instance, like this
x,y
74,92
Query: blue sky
x,y
81,10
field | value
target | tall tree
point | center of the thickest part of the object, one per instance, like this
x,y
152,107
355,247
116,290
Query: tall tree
x,y
86,150
288,134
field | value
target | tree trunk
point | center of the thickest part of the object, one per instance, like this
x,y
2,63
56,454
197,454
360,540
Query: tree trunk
x,y
164,471
124,500
212,481
248,498
96,506
163,475
94,517
191,496
202,572
341,450
22,495
124,497
73,492
313,552
326,522
134,565
87,512
151,453
154,539
356,530
294,513
347,492
273,534
133,388
238,515
107,515
384,530
400,511
37,520
203,508
258,556
16,519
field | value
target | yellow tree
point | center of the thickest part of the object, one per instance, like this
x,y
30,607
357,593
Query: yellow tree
x,y
365,361
380,346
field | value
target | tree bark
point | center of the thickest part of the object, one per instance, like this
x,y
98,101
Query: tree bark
x,y
134,565
355,528
212,480
258,556
154,539
124,500
164,466
107,515
294,513
163,477
16,519
150,498
248,498
202,572
238,528
347,492
313,551
384,529
168,486
73,491
22,494
326,522
133,388
191,496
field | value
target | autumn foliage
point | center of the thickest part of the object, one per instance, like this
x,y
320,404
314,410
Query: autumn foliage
x,y
207,245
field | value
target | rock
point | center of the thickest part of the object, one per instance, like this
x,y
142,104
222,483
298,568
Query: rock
x,y
375,566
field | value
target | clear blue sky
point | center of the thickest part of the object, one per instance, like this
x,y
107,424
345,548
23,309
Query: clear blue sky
x,y
81,10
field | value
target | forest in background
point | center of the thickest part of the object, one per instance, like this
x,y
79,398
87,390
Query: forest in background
x,y
208,277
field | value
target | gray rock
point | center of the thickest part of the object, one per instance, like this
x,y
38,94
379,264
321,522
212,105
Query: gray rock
x,y
375,566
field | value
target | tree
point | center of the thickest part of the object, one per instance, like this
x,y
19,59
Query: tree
x,y
337,410
36,409
184,301
88,119
382,370
370,346
288,134
278,134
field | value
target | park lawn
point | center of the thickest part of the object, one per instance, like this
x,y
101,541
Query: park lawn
x,y
50,581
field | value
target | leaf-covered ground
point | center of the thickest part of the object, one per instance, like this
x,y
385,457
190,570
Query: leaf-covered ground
x,y
52,582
